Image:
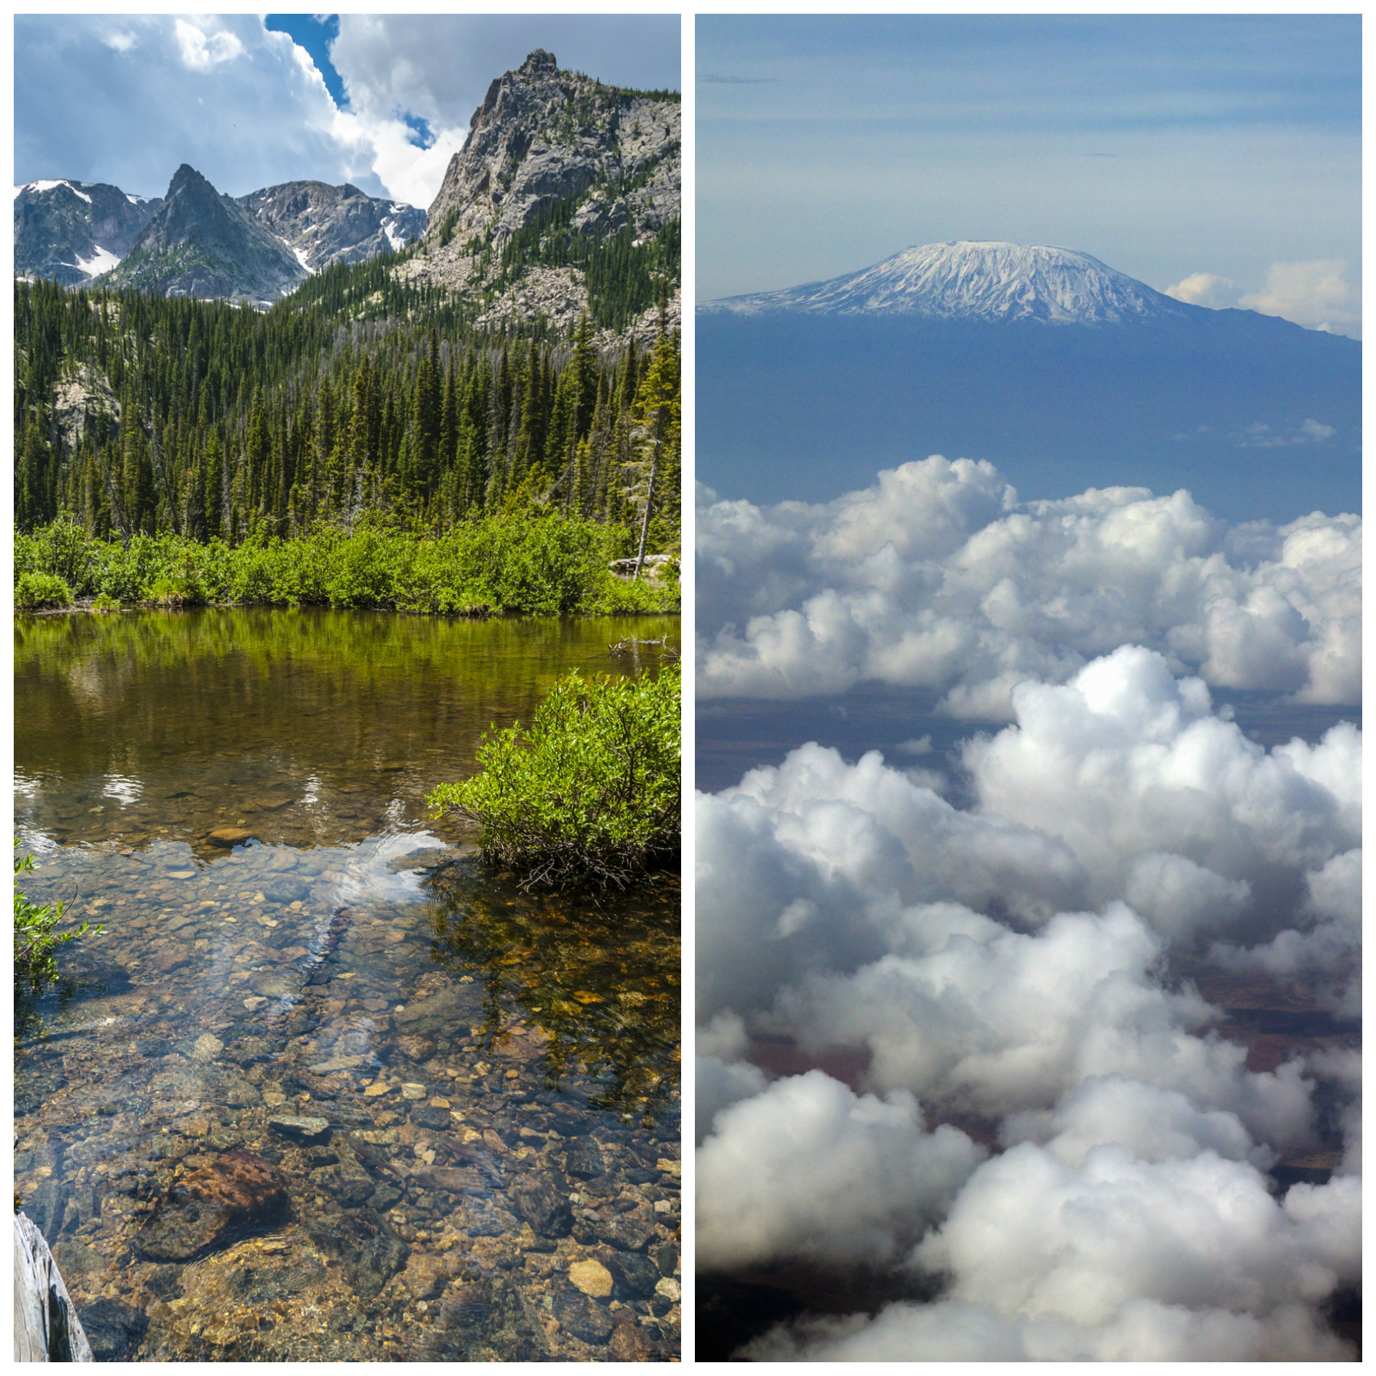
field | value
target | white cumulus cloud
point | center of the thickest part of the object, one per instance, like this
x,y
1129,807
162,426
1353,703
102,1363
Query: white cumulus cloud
x,y
1004,970
938,577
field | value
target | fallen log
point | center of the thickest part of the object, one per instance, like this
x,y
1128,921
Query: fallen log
x,y
46,1326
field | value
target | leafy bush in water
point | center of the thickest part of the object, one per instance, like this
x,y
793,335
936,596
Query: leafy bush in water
x,y
590,792
36,590
103,602
36,938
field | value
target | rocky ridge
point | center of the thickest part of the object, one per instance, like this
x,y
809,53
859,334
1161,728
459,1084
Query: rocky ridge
x,y
546,141
324,224
204,244
74,232
253,247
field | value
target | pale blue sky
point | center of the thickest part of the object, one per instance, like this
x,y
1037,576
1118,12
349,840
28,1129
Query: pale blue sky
x,y
1183,150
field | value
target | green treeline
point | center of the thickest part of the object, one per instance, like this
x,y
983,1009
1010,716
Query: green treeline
x,y
542,564
357,399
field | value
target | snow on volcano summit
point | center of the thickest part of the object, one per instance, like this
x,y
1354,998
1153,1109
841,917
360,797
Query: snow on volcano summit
x,y
974,281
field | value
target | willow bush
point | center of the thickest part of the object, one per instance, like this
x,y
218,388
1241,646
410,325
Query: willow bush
x,y
587,794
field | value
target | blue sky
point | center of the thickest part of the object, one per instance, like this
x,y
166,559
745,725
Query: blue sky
x,y
381,101
1219,156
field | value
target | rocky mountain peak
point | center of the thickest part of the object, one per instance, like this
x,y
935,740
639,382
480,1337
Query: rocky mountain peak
x,y
975,280
539,61
324,224
187,178
543,136
201,243
74,232
551,154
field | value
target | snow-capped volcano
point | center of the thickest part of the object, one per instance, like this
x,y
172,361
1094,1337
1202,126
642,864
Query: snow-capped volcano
x,y
974,281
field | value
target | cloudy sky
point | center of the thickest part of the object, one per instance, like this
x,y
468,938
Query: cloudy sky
x,y
380,101
1215,156
1026,1107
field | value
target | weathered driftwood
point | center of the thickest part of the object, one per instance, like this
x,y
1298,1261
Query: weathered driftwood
x,y
46,1327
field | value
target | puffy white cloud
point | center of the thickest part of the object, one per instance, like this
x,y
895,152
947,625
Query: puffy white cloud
x,y
1155,1124
1200,1232
1122,784
1313,292
1325,942
1165,802
1114,1259
938,577
1206,289
722,1077
201,49
1344,1069
810,1169
993,1021
1006,963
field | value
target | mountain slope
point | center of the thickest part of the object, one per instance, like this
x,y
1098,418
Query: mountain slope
x,y
1065,374
324,224
565,196
74,232
975,281
203,244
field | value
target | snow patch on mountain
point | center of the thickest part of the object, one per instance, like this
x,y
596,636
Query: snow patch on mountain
x,y
974,281
51,186
101,261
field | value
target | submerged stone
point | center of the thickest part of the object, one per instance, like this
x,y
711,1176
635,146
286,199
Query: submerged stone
x,y
584,1160
114,1329
454,1007
584,1318
545,1208
454,1179
629,1343
371,1253
634,1272
229,836
430,1117
301,1129
592,1278
629,1232
218,1203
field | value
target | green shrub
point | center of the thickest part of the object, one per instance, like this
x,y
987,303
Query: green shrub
x,y
590,792
529,562
36,938
103,602
33,591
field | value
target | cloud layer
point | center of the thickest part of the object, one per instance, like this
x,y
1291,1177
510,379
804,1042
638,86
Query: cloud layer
x,y
938,577
1001,972
126,99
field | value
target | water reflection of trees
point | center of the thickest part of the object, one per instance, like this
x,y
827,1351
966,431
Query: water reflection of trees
x,y
601,982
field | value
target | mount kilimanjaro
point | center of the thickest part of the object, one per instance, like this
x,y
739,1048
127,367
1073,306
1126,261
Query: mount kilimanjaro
x,y
975,281
1059,369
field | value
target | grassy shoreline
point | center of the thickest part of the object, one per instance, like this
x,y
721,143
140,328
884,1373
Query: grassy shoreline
x,y
495,565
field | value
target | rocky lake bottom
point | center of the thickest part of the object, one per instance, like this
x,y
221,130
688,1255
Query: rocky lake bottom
x,y
328,1088
235,1131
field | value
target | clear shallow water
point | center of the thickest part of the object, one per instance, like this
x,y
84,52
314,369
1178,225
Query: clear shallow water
x,y
493,1167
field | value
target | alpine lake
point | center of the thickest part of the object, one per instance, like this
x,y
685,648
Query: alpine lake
x,y
328,1088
